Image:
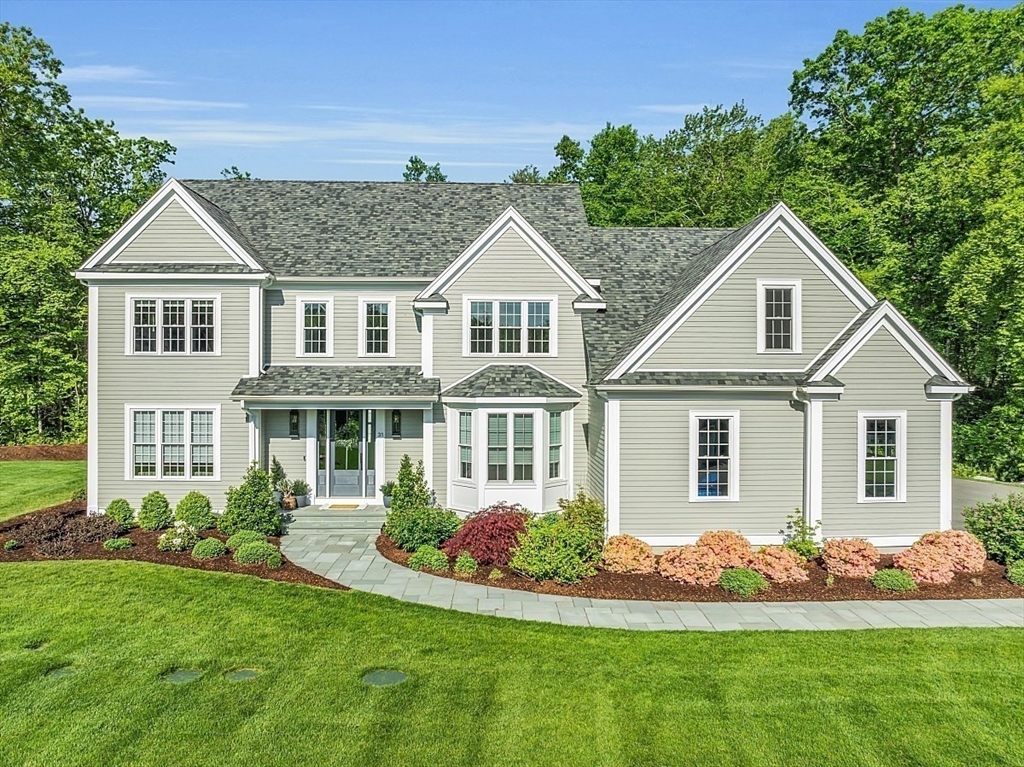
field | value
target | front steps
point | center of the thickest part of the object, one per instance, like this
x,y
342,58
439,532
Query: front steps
x,y
314,520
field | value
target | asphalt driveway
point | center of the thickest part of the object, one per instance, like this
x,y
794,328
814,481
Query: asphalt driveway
x,y
967,492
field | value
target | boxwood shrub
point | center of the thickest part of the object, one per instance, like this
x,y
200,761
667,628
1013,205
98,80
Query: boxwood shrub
x,y
122,512
429,558
155,512
181,537
555,550
1015,573
258,552
999,525
117,544
251,506
195,510
209,548
465,564
891,579
742,581
411,528
11,545
243,537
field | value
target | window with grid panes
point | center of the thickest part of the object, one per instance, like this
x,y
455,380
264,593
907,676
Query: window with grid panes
x,y
713,457
881,457
377,327
778,319
314,327
466,445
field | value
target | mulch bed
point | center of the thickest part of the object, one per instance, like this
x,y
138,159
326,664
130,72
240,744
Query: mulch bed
x,y
43,452
145,550
991,583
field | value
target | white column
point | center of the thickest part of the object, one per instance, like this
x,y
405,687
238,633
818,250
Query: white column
x,y
428,445
93,467
427,344
611,464
255,417
813,444
383,428
311,452
946,464
255,330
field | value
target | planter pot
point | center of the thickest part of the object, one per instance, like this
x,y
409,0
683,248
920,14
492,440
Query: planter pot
x,y
302,500
289,503
387,501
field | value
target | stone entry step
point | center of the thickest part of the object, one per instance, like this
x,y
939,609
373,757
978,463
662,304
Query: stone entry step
x,y
312,519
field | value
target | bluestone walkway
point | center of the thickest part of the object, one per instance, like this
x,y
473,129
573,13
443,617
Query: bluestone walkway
x,y
340,545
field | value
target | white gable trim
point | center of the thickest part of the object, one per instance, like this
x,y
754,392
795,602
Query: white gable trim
x,y
171,191
511,219
780,218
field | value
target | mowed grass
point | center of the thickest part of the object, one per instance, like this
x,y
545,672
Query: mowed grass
x,y
29,485
481,691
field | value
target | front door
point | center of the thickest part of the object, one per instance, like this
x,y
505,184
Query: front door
x,y
345,454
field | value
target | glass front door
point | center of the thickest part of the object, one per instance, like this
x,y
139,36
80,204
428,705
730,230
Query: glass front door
x,y
345,454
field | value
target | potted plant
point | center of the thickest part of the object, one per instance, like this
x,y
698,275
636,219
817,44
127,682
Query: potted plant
x,y
288,500
387,490
278,478
300,490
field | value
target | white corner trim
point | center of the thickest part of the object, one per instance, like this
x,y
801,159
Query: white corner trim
x,y
734,455
796,285
901,453
255,330
428,444
391,302
311,451
380,440
522,300
255,418
93,466
427,345
946,464
300,333
813,460
612,432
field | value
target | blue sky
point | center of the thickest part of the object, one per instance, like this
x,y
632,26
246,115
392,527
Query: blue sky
x,y
351,90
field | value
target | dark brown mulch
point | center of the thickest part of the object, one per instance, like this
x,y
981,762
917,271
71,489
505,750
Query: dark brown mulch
x,y
989,584
43,452
72,517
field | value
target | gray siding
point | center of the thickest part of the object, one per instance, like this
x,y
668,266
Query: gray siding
x,y
174,236
881,376
722,333
439,476
595,446
654,466
166,380
411,442
290,451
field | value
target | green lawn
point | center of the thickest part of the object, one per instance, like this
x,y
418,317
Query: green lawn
x,y
482,691
30,485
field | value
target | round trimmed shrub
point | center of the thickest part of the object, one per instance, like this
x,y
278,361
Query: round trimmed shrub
x,y
626,554
966,553
850,557
243,537
411,528
1015,573
428,558
10,545
181,537
742,581
999,525
730,549
490,534
155,512
555,551
926,563
779,564
117,544
465,564
209,548
195,510
258,552
692,565
121,512
891,579
251,506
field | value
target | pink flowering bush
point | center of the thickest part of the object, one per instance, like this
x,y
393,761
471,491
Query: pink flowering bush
x,y
926,563
692,565
966,553
779,565
730,549
850,557
626,554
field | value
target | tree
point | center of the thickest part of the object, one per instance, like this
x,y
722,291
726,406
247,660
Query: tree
x,y
234,174
570,156
526,175
417,170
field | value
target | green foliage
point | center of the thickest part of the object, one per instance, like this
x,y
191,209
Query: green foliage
x,y
495,575
117,544
411,490
742,581
300,487
258,552
155,512
801,537
586,515
425,526
891,579
555,551
121,512
251,506
388,488
181,537
429,558
465,564
1015,573
11,544
999,525
529,174
243,537
417,170
277,474
209,548
194,510
234,174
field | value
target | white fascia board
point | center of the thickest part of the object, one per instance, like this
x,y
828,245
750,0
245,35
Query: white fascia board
x,y
430,307
820,392
302,403
589,306
511,401
342,280
90,277
510,219
655,389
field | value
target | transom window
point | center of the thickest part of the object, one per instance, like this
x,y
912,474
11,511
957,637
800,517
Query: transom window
x,y
377,327
714,450
778,309
554,445
523,327
510,452
881,456
466,445
173,326
172,443
316,325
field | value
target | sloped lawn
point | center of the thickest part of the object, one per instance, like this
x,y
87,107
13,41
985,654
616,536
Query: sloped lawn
x,y
29,485
481,691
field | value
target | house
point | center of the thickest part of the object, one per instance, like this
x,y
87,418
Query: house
x,y
692,379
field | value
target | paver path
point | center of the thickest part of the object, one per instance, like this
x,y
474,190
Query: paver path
x,y
340,546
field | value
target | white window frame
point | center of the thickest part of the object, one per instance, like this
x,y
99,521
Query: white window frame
x,y
159,298
863,416
459,444
494,300
734,455
300,326
392,319
796,286
510,463
561,446
158,410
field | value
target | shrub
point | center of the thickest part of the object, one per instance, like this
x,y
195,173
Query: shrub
x,y
243,537
692,565
999,525
586,514
779,564
40,529
1015,573
926,563
626,554
800,536
91,529
730,549
423,526
742,581
490,534
122,511
117,544
81,494
300,487
429,558
251,506
194,509
465,564
209,548
411,488
155,512
258,552
277,475
554,551
181,537
850,557
966,552
495,575
11,545
891,579
58,548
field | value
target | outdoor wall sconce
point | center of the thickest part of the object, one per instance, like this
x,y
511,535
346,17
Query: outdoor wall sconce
x,y
396,424
293,423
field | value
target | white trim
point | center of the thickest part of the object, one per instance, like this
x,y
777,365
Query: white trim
x,y
734,455
379,446
158,409
511,401
300,327
430,307
522,300
612,463
510,219
428,444
292,402
209,277
796,285
255,421
568,440
427,345
946,464
392,303
188,298
311,451
813,459
656,388
883,541
901,453
589,306
480,369
255,330
93,465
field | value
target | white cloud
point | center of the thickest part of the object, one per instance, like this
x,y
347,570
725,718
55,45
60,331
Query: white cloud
x,y
107,73
673,109
153,104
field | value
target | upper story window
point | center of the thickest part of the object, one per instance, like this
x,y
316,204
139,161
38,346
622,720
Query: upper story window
x,y
882,461
377,327
513,327
778,316
173,325
714,456
315,327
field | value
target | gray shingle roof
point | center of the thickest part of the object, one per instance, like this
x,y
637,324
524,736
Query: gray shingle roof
x,y
702,378
499,380
843,337
338,381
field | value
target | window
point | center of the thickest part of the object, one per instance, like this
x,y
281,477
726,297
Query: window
x,y
172,443
316,325
554,446
523,327
497,447
522,447
778,316
466,445
173,325
377,327
714,456
882,457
